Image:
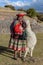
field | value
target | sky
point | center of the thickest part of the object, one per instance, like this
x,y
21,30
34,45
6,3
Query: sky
x,y
36,4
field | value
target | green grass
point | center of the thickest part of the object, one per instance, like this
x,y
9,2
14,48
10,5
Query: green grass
x,y
38,51
6,55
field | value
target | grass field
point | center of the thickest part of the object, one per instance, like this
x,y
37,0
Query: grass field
x,y
6,55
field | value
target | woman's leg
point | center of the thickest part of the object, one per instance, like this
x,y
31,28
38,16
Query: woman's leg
x,y
19,48
15,48
15,54
22,48
19,54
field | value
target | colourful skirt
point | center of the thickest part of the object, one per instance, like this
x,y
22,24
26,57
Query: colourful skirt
x,y
19,45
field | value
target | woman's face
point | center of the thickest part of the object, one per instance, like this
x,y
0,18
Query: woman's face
x,y
20,18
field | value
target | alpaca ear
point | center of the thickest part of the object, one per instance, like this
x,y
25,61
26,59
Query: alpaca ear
x,y
28,22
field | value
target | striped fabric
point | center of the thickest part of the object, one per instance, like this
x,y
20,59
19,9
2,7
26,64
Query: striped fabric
x,y
19,45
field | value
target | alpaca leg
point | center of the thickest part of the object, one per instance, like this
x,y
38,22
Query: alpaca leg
x,y
31,52
27,50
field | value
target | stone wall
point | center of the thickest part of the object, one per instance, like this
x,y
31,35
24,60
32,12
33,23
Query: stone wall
x,y
7,17
5,21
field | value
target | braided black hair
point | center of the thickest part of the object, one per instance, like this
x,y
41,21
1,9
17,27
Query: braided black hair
x,y
24,25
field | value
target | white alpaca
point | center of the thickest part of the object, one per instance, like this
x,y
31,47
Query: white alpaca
x,y
31,40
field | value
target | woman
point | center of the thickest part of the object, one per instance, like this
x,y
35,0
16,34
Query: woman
x,y
19,35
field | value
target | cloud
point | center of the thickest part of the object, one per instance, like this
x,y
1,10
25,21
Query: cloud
x,y
20,3
5,1
1,1
34,0
16,3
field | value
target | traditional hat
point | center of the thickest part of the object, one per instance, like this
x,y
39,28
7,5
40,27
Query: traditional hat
x,y
21,14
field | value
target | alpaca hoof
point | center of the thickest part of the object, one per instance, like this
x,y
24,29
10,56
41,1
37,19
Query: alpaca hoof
x,y
32,59
24,59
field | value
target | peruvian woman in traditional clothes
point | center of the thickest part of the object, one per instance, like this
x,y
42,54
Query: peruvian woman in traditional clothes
x,y
19,35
